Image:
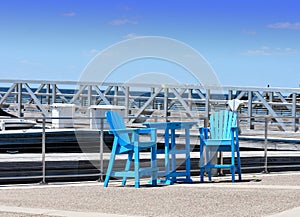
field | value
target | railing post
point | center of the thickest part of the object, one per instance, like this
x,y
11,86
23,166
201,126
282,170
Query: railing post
x,y
294,112
81,95
166,103
53,93
126,101
90,95
43,182
47,95
116,95
190,96
229,94
250,124
266,146
152,93
101,149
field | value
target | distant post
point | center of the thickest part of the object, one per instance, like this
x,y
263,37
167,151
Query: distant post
x,y
207,107
20,113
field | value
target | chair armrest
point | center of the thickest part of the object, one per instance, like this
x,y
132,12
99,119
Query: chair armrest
x,y
235,133
131,130
126,130
204,132
235,129
146,130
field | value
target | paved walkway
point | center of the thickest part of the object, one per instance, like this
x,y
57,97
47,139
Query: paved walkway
x,y
276,195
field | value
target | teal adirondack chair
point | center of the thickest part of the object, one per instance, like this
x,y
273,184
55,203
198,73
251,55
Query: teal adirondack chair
x,y
221,136
127,141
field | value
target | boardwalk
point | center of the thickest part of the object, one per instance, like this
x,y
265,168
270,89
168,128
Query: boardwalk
x,y
275,194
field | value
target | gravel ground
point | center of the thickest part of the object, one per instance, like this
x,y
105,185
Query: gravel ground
x,y
257,195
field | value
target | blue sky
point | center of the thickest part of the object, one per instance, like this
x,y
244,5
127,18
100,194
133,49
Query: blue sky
x,y
248,43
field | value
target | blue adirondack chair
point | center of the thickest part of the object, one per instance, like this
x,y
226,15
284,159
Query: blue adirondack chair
x,y
127,141
221,136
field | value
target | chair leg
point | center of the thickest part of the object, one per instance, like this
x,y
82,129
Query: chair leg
x,y
109,169
153,166
232,168
127,167
208,163
136,167
201,163
111,163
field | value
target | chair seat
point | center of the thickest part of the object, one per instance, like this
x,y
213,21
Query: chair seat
x,y
125,149
142,171
216,142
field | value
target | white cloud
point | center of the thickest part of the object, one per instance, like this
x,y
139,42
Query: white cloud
x,y
69,14
267,51
91,52
119,22
249,32
29,62
284,25
130,36
125,8
72,67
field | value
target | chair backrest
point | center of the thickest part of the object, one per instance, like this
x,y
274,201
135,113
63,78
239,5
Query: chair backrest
x,y
116,122
221,123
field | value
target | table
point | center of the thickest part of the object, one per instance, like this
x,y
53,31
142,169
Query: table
x,y
170,151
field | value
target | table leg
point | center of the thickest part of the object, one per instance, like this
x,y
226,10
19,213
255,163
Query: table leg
x,y
167,151
173,149
188,157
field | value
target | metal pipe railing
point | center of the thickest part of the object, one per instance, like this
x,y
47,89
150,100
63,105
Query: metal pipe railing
x,y
266,120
